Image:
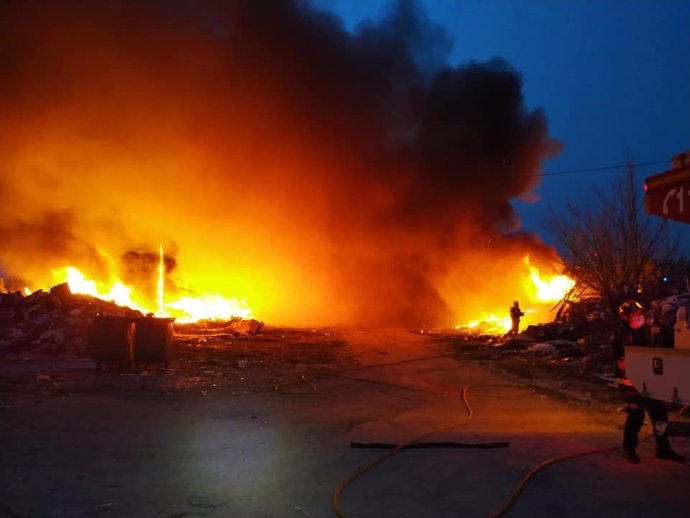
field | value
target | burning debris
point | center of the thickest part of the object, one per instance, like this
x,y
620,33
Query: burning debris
x,y
54,321
361,170
60,321
540,289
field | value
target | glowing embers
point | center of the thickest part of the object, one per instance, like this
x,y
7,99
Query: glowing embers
x,y
489,324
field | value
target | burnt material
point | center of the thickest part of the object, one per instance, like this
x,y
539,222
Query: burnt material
x,y
112,342
153,341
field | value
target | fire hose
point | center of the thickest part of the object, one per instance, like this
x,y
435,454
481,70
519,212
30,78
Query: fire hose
x,y
417,443
548,462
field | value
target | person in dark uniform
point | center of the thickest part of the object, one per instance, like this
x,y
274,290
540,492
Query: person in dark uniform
x,y
631,332
515,314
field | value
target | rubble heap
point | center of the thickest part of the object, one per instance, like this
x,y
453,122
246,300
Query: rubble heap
x,y
60,321
52,322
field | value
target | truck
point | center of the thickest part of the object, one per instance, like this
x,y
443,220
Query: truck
x,y
662,371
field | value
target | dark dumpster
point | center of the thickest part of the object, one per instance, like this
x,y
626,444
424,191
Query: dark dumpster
x,y
153,341
112,342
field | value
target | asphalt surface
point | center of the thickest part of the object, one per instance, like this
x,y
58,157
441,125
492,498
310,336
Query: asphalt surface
x,y
267,453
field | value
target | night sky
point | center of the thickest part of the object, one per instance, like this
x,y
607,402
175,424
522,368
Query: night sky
x,y
613,78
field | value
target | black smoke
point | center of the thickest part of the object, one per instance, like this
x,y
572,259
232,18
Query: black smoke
x,y
360,167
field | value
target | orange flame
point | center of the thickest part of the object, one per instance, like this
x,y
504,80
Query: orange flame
x,y
540,291
184,309
545,288
117,292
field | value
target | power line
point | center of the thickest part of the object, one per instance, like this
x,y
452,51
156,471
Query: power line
x,y
603,168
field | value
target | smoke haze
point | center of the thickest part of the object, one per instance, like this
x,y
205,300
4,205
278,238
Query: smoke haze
x,y
324,176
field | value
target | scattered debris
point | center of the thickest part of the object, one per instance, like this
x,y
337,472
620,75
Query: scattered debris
x,y
573,351
542,348
557,348
52,322
59,321
245,327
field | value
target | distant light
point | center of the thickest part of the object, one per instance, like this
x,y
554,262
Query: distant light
x,y
646,187
664,278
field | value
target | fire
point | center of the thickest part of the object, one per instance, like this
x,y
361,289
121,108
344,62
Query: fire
x,y
538,292
208,306
117,292
488,323
548,289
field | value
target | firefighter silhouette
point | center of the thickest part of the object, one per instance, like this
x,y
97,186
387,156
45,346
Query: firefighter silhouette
x,y
515,314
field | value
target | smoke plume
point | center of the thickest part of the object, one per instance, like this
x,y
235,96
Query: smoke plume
x,y
324,176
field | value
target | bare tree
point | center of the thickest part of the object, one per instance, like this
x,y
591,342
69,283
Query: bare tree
x,y
612,248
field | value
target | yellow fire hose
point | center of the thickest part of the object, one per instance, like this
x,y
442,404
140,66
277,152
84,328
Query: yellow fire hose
x,y
464,394
525,480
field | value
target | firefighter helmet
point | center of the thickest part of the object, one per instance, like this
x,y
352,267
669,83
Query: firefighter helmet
x,y
632,312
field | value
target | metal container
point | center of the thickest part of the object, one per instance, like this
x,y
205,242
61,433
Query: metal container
x,y
153,341
112,342
660,373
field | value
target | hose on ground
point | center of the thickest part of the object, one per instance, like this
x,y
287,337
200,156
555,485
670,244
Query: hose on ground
x,y
341,487
525,480
417,442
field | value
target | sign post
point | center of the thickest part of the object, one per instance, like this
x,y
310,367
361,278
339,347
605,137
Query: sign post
x,y
668,194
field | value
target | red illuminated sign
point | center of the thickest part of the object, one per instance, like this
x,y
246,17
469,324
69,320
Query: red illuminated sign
x,y
668,194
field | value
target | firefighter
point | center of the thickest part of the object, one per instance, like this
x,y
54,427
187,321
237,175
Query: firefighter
x,y
631,332
515,314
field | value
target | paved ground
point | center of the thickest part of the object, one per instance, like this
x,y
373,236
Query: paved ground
x,y
161,445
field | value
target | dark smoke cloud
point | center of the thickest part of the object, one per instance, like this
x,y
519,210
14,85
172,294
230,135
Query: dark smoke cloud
x,y
51,235
281,152
139,268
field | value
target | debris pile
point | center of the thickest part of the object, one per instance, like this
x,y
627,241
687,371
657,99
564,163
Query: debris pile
x,y
52,322
578,344
60,321
586,346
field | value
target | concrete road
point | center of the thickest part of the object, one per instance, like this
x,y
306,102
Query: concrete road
x,y
282,455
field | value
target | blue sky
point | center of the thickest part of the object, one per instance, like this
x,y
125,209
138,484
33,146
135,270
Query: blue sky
x,y
613,77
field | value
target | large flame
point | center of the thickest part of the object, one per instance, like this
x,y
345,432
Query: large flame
x,y
185,309
319,200
116,292
537,293
543,287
